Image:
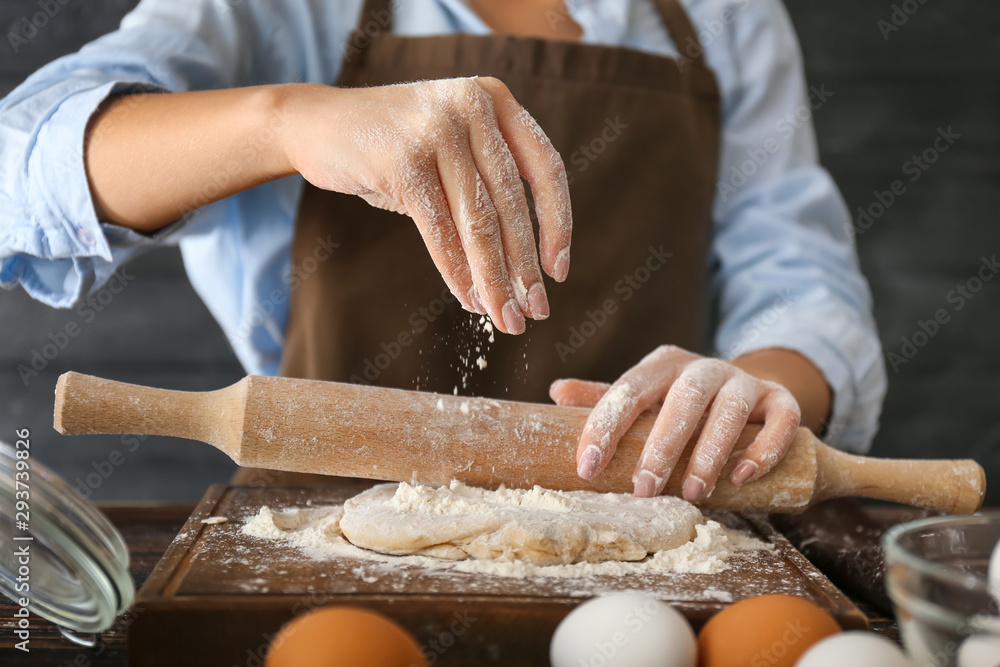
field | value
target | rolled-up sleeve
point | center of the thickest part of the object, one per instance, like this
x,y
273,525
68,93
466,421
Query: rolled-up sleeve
x,y
51,240
784,266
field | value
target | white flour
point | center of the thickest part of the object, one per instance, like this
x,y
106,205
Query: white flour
x,y
317,533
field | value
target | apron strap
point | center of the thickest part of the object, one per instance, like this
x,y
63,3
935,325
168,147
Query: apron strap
x,y
379,11
681,30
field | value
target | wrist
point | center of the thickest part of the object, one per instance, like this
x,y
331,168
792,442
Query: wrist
x,y
796,373
302,114
274,118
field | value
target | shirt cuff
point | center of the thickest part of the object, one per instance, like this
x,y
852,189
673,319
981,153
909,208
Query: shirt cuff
x,y
850,358
66,250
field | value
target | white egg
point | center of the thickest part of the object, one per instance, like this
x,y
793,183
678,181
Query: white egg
x,y
993,572
623,630
980,650
855,648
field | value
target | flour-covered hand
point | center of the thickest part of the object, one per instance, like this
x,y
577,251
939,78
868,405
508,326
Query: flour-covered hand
x,y
450,154
690,387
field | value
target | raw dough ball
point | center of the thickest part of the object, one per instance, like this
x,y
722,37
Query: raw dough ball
x,y
539,526
623,630
855,648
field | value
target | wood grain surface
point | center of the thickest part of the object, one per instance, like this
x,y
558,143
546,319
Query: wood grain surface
x,y
227,593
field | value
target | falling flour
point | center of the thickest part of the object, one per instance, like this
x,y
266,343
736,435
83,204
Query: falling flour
x,y
508,532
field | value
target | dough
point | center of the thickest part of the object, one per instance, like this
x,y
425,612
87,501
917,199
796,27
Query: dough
x,y
539,526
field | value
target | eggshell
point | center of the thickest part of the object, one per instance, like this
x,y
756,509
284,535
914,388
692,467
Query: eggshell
x,y
980,650
855,648
993,572
343,637
765,631
623,630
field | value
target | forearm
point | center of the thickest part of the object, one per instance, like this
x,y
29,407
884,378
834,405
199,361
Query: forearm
x,y
152,158
797,374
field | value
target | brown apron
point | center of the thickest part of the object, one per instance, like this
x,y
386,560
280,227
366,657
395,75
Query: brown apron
x,y
639,134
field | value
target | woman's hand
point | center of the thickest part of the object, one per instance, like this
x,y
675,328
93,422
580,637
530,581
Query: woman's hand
x,y
449,154
690,387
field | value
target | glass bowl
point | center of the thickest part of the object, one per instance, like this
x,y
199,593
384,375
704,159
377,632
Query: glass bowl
x,y
937,577
60,554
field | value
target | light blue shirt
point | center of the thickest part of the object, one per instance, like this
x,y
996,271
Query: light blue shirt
x,y
783,264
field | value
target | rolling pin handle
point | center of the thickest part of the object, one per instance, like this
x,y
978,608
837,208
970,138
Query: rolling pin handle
x,y
88,405
949,486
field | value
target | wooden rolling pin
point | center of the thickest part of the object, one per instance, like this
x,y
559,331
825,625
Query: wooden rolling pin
x,y
389,434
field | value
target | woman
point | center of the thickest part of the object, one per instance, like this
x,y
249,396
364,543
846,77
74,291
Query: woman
x,y
687,153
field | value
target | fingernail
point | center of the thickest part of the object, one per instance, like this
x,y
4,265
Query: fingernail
x,y
589,462
645,484
693,488
538,302
562,265
512,317
476,303
743,472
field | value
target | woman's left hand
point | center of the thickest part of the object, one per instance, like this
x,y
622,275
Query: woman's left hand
x,y
690,386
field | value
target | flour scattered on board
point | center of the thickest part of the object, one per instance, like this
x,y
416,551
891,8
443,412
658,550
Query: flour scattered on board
x,y
316,532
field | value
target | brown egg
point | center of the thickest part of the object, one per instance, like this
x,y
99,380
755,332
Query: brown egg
x,y
343,637
765,631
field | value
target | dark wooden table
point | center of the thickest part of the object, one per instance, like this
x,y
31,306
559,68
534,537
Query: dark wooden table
x,y
148,530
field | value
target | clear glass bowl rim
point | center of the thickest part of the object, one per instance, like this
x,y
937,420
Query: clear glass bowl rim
x,y
76,531
895,552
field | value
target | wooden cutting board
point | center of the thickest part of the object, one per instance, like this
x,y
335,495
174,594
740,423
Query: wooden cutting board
x,y
218,596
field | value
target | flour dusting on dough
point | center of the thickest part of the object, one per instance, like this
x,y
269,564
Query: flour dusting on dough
x,y
319,534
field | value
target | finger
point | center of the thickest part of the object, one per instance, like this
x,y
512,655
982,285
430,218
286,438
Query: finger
x,y
781,423
496,165
429,209
726,419
577,393
540,164
636,391
479,229
686,401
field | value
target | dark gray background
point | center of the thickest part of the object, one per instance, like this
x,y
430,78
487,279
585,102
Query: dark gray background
x,y
940,69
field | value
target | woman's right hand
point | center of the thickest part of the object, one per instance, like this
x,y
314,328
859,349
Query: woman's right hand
x,y
448,153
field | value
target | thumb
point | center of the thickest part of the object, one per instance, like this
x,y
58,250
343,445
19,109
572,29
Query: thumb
x,y
577,393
